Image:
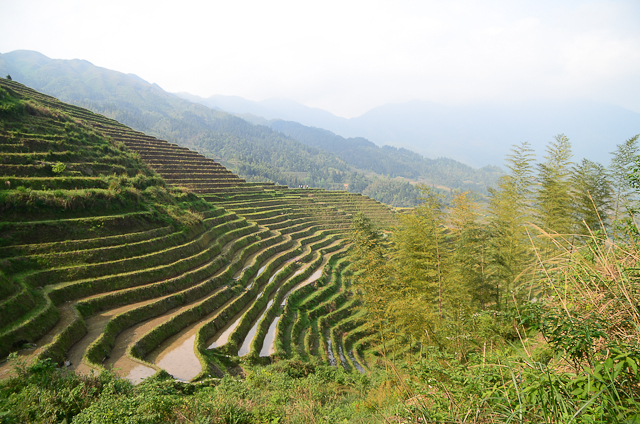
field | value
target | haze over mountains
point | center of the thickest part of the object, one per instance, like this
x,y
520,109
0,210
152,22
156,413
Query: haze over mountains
x,y
257,152
290,143
477,135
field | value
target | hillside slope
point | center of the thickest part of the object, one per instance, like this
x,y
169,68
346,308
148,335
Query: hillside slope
x,y
127,252
395,162
475,134
254,151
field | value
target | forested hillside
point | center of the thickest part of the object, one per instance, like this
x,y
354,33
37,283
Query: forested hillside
x,y
475,133
256,152
195,296
392,161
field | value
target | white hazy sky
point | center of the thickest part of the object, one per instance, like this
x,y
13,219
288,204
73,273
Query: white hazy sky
x,y
349,56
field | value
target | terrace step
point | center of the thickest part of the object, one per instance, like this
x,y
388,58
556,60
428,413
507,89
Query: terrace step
x,y
137,262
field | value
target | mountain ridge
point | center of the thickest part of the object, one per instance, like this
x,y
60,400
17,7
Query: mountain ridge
x,y
477,134
257,152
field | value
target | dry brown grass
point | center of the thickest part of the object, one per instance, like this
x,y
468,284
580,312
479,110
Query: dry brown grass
x,y
596,278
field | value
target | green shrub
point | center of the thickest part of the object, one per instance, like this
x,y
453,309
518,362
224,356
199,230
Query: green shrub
x,y
58,168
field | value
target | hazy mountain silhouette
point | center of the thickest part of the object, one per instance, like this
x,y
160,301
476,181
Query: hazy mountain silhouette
x,y
475,134
258,149
272,109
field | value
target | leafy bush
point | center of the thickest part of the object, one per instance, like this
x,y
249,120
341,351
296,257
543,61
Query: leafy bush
x,y
44,393
58,168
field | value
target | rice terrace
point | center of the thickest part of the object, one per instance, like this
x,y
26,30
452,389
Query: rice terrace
x,y
143,282
125,252
250,212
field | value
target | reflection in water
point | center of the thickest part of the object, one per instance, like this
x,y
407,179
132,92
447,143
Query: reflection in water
x,y
133,371
95,327
139,373
274,274
177,353
355,363
341,355
246,346
120,363
66,317
224,337
181,360
317,274
260,271
300,271
250,260
237,275
268,347
332,358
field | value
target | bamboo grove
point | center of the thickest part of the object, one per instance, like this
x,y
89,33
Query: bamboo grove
x,y
542,277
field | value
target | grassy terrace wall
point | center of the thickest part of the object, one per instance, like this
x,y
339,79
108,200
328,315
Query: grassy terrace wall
x,y
99,215
71,291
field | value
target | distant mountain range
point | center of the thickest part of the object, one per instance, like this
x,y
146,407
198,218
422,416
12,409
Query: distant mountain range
x,y
386,160
477,135
274,109
284,152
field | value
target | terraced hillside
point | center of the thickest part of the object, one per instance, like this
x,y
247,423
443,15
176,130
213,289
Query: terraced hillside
x,y
122,251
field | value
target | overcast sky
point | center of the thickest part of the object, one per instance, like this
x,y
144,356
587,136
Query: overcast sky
x,y
349,56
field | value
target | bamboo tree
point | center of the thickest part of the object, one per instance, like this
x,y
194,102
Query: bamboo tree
x,y
509,211
367,254
371,280
420,251
592,197
621,164
469,272
553,198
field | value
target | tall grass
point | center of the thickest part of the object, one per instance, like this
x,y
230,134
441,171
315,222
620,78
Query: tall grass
x,y
575,358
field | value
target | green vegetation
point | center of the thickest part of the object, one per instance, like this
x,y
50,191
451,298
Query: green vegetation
x,y
392,162
143,282
496,319
287,153
302,392
107,231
